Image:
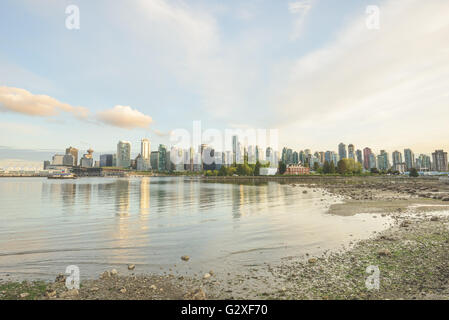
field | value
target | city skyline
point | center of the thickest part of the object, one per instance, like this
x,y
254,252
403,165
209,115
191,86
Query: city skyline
x,y
314,76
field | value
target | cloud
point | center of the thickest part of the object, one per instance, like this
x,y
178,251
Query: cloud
x,y
124,117
300,9
375,86
22,101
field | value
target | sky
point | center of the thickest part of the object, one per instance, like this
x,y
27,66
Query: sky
x,y
318,71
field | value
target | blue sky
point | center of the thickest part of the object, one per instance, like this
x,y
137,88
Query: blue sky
x,y
316,73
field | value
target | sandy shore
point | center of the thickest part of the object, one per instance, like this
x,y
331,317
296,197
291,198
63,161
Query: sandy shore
x,y
412,256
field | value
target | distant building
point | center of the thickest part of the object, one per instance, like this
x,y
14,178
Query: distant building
x,y
106,160
409,159
372,161
296,169
74,153
383,163
400,167
423,163
342,151
145,149
351,151
162,165
58,160
366,158
154,160
142,164
359,156
87,160
440,161
397,158
68,160
268,171
46,164
123,154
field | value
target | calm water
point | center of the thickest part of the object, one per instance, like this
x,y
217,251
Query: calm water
x,y
100,223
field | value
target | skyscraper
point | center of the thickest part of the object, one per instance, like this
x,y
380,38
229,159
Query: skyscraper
x,y
359,156
74,153
351,154
366,158
409,159
162,164
383,163
123,154
397,158
145,149
235,149
342,151
439,161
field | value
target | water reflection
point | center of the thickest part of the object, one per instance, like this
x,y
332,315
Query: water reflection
x,y
153,221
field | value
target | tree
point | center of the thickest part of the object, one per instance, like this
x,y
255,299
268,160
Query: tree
x,y
282,167
332,167
326,167
374,170
413,172
257,168
223,171
316,166
341,167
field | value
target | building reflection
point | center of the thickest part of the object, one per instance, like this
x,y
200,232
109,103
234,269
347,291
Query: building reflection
x,y
144,197
122,197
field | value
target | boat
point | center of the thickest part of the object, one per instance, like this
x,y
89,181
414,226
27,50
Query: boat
x,y
62,176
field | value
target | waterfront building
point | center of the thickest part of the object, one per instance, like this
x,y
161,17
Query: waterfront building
x,y
397,157
74,152
296,169
409,159
351,153
268,171
366,158
87,160
145,149
342,151
440,161
359,156
383,161
106,160
68,160
400,167
46,164
142,164
162,165
123,154
154,160
372,161
423,163
58,160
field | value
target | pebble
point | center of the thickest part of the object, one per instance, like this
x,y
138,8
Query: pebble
x,y
207,276
24,295
185,258
313,260
123,290
114,272
131,267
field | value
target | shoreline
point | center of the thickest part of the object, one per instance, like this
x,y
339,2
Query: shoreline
x,y
412,256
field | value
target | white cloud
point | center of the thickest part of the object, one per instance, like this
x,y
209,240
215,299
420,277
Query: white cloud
x,y
300,9
22,101
124,117
386,86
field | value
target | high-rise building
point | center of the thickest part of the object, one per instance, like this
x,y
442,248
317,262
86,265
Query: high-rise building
x,y
409,159
68,160
423,163
87,161
397,158
439,161
162,165
383,163
366,158
235,148
359,156
145,149
372,161
342,151
74,153
58,160
106,160
154,160
124,154
351,153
